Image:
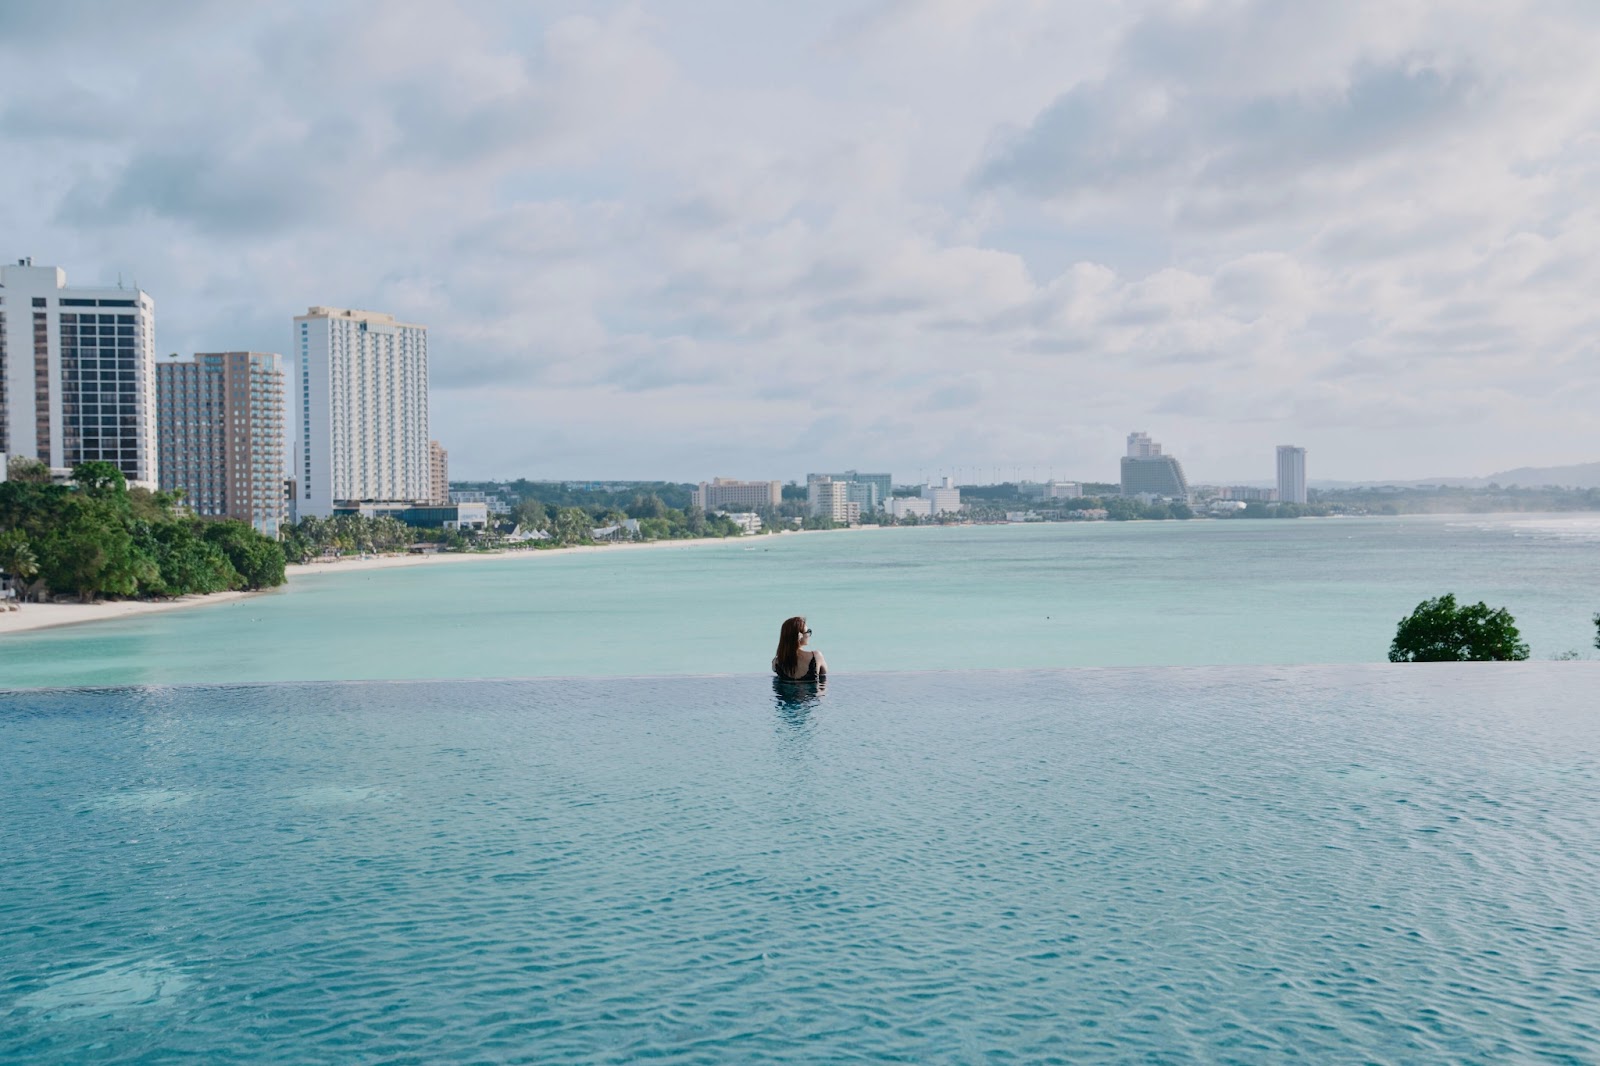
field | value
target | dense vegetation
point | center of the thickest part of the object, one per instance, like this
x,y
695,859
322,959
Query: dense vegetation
x,y
591,496
575,524
310,537
1442,631
97,537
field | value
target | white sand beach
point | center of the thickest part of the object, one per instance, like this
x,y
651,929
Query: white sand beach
x,y
31,616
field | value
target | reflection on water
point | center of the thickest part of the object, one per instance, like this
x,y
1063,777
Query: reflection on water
x,y
793,699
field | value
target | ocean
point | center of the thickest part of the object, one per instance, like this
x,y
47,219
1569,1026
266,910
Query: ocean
x,y
954,598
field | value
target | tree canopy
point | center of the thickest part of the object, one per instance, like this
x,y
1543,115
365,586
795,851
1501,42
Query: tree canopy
x,y
1442,631
97,537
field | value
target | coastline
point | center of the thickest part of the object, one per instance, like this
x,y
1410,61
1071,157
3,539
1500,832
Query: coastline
x,y
35,616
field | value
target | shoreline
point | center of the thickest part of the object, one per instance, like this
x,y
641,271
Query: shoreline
x,y
34,616
31,617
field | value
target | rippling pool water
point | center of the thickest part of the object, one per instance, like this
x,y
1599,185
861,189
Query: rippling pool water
x,y
1231,864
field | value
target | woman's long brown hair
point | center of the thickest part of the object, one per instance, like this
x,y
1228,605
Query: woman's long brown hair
x,y
789,646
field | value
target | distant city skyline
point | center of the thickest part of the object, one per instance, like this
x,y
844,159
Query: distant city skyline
x,y
656,241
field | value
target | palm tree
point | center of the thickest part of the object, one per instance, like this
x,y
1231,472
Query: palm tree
x,y
17,559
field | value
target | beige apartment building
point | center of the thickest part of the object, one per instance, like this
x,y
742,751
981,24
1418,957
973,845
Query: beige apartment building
x,y
438,475
220,423
727,494
830,499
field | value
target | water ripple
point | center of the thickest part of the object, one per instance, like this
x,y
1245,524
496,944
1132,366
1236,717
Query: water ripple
x,y
1334,864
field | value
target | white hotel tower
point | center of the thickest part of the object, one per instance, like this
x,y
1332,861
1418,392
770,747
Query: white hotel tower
x,y
77,372
361,406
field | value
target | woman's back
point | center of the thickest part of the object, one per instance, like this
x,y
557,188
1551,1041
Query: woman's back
x,y
795,661
815,668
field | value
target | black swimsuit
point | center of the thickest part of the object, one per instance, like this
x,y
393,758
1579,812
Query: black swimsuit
x,y
810,674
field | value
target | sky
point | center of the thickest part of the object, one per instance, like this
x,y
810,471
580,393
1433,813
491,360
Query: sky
x,y
970,237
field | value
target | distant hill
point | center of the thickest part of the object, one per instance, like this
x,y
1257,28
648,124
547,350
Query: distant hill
x,y
1577,476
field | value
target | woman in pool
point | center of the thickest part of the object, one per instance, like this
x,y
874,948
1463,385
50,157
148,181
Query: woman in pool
x,y
795,661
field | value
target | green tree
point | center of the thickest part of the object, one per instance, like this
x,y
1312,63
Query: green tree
x,y
531,514
573,525
92,553
17,559
1122,509
650,506
256,560
28,470
99,478
185,563
1440,630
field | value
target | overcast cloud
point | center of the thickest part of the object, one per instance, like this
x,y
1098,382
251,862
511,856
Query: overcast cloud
x,y
678,240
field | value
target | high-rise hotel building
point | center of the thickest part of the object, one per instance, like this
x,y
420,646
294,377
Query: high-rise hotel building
x,y
221,427
361,409
77,372
1291,474
1146,471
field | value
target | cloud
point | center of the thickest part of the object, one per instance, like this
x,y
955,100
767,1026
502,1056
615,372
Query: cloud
x,y
1098,139
659,241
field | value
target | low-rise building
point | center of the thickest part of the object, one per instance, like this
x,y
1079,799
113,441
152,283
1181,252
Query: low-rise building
x,y
944,498
901,506
747,521
628,529
423,515
1247,494
1062,490
495,504
722,493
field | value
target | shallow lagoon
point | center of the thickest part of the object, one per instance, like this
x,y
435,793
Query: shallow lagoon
x,y
1345,863
1087,594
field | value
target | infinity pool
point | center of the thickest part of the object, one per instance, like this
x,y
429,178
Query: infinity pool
x,y
1394,864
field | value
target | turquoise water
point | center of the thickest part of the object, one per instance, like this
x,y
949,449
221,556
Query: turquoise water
x,y
1331,864
1101,594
